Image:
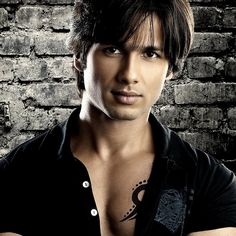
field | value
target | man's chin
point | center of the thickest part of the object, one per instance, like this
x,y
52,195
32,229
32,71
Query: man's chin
x,y
123,115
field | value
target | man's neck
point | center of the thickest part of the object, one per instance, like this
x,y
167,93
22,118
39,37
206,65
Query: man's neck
x,y
107,137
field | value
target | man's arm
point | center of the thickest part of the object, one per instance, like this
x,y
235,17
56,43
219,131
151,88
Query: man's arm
x,y
216,232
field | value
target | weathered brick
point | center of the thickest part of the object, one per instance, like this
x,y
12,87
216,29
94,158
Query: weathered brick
x,y
232,118
230,67
206,17
11,95
61,18
29,17
5,118
206,93
185,118
3,18
23,98
2,119
50,95
167,95
229,18
206,118
14,45
175,117
10,1
40,119
211,42
212,143
7,69
51,44
19,139
61,67
31,70
203,67
4,151
50,2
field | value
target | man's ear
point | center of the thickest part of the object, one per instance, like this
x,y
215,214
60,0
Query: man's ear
x,y
77,63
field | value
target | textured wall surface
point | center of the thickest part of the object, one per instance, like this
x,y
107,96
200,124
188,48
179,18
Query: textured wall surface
x,y
37,84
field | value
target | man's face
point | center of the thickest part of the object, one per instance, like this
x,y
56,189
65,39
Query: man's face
x,y
124,81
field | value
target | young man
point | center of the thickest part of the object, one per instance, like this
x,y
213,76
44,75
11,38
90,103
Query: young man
x,y
112,169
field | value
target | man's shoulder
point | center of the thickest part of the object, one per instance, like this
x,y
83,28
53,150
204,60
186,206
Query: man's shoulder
x,y
183,152
46,142
169,144
205,169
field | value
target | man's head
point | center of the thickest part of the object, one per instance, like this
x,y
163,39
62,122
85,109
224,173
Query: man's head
x,y
116,21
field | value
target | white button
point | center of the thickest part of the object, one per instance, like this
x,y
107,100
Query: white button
x,y
94,212
85,184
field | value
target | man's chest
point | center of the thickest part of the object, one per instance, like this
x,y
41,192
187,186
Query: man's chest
x,y
118,191
102,201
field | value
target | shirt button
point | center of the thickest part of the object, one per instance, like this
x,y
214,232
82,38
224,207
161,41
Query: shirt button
x,y
94,212
85,184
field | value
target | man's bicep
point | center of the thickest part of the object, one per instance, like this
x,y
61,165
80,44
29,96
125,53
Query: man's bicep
x,y
230,231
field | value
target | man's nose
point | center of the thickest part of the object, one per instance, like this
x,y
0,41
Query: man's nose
x,y
129,70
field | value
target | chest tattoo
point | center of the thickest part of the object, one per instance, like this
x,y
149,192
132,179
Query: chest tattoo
x,y
132,213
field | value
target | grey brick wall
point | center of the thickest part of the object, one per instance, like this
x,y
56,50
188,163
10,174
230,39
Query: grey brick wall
x,y
37,84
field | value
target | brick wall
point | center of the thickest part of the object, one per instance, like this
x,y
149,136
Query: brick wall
x,y
37,84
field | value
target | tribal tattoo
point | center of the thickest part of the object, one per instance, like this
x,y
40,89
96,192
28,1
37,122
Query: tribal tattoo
x,y
132,213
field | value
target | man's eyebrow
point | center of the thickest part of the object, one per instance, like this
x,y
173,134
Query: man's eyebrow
x,y
143,47
151,48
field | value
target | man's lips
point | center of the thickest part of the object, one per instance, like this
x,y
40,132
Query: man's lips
x,y
126,97
128,93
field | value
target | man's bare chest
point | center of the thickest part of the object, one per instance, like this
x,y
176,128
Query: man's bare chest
x,y
118,191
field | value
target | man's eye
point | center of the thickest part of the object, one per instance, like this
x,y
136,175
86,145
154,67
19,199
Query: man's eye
x,y
111,50
151,54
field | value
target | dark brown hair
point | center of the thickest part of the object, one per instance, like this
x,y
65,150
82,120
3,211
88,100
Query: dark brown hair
x,y
115,21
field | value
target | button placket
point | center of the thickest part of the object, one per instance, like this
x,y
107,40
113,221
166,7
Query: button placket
x,y
86,184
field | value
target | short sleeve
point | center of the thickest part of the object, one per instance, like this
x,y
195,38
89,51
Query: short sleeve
x,y
214,203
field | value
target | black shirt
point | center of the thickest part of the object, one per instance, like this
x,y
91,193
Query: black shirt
x,y
46,191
